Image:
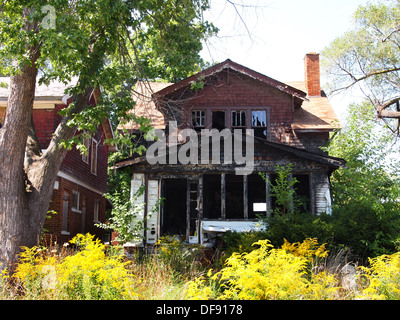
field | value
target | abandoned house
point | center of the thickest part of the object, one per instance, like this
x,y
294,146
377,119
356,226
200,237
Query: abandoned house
x,y
204,196
82,180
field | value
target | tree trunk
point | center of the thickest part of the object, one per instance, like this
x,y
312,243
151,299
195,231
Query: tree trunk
x,y
15,228
26,193
26,176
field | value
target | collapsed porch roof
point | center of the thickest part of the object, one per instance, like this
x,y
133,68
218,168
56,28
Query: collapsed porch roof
x,y
303,154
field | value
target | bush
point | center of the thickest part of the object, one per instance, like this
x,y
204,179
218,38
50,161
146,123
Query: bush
x,y
267,273
87,274
383,277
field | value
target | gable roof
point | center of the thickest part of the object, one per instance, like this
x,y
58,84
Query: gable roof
x,y
315,113
229,64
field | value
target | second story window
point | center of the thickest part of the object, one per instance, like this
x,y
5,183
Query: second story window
x,y
93,164
198,118
85,156
259,123
238,118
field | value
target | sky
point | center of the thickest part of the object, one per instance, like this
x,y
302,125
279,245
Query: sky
x,y
273,36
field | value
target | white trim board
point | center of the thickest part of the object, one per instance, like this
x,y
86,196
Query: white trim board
x,y
77,181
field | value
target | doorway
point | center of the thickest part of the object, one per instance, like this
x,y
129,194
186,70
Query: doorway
x,y
174,207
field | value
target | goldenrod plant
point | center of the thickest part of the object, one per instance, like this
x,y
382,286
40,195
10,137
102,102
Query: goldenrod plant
x,y
268,273
294,271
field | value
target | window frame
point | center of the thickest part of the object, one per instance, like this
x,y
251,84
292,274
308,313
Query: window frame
x,y
77,194
96,210
260,127
93,160
243,123
203,118
87,144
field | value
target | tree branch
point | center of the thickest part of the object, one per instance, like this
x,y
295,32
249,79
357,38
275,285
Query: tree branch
x,y
368,75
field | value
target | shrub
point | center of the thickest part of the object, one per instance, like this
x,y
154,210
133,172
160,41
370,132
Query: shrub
x,y
269,273
87,274
383,277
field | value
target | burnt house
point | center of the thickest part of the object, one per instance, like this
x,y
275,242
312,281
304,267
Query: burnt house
x,y
206,122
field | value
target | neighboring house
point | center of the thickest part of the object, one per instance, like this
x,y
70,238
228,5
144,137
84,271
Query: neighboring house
x,y
82,180
205,196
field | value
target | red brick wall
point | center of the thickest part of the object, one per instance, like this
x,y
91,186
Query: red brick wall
x,y
53,225
243,92
43,120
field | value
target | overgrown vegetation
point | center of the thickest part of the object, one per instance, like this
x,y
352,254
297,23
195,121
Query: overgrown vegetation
x,y
365,216
301,270
90,270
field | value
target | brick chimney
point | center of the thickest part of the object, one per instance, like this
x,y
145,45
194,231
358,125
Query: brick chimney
x,y
312,76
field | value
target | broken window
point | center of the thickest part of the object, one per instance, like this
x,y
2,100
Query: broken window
x,y
218,120
259,123
198,118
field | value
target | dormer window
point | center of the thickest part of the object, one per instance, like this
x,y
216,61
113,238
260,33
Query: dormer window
x,y
198,119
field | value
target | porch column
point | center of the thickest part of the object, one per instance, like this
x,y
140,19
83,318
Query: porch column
x,y
245,197
267,195
223,196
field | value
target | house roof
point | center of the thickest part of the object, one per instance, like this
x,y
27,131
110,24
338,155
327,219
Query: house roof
x,y
145,105
315,114
54,93
229,64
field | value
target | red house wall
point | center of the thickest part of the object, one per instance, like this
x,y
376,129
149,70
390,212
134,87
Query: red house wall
x,y
243,91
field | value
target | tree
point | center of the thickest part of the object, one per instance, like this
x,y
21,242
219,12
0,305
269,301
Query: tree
x,y
368,56
366,194
99,41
